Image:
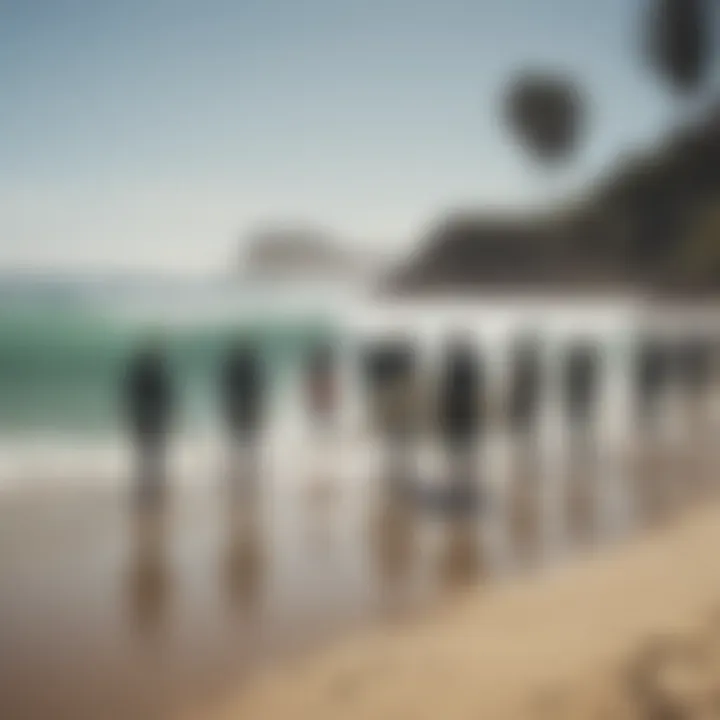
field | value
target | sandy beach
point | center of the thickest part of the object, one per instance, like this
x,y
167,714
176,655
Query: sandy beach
x,y
348,598
359,360
632,632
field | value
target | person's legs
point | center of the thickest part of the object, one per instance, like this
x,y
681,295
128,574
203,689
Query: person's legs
x,y
151,468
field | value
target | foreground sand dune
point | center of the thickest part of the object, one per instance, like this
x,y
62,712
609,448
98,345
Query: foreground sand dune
x,y
633,632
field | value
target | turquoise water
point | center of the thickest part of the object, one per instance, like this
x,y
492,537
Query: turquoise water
x,y
64,346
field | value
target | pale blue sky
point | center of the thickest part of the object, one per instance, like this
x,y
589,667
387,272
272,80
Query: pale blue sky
x,y
156,133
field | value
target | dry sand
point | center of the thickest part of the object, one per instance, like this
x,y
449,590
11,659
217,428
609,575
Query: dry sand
x,y
632,632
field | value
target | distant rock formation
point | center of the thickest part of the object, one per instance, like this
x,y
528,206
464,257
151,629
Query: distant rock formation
x,y
631,229
300,254
471,252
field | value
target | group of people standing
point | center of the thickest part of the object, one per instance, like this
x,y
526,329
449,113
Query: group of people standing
x,y
461,408
151,397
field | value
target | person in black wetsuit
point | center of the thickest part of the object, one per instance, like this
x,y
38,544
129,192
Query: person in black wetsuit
x,y
243,395
652,374
694,364
390,370
149,406
322,386
694,361
460,411
581,379
525,385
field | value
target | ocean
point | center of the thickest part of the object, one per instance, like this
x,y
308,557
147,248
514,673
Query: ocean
x,y
65,343
101,604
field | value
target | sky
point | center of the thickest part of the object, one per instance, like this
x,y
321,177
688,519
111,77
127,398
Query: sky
x,y
161,134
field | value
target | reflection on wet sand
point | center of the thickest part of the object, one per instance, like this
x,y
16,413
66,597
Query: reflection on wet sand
x,y
661,471
149,577
394,540
461,561
148,604
581,490
701,429
416,539
243,558
318,509
243,469
524,498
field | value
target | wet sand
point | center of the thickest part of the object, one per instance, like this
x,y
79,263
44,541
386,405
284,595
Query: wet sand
x,y
632,632
109,612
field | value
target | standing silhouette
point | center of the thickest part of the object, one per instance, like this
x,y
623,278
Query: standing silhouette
x,y
322,386
525,385
243,397
581,379
652,374
695,364
460,411
392,386
149,406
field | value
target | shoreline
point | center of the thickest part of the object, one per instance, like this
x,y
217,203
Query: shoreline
x,y
562,643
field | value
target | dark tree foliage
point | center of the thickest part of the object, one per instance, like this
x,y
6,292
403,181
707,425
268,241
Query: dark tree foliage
x,y
546,113
679,41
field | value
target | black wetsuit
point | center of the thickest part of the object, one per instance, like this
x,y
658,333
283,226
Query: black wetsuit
x,y
149,406
242,392
460,413
652,373
525,386
581,383
148,397
694,364
390,375
321,385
